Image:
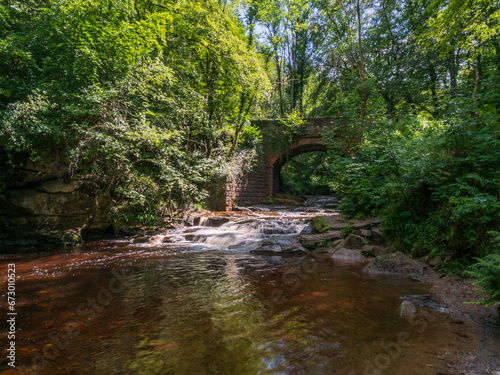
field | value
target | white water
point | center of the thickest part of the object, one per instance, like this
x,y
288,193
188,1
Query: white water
x,y
245,231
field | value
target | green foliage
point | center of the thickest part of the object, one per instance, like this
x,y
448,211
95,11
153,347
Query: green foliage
x,y
347,229
144,101
305,174
250,137
267,200
487,273
293,123
279,137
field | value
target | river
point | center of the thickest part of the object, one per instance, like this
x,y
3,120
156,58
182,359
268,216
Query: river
x,y
196,300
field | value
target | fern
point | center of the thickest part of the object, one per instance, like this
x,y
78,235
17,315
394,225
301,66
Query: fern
x,y
487,274
479,179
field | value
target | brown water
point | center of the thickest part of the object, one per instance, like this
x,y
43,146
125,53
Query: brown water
x,y
116,308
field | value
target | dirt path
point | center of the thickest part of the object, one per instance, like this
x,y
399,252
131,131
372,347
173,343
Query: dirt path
x,y
453,291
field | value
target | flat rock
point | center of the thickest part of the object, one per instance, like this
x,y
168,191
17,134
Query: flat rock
x,y
338,222
280,247
348,254
59,186
331,205
311,241
286,202
395,263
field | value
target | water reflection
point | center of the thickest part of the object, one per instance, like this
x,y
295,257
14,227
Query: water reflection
x,y
215,313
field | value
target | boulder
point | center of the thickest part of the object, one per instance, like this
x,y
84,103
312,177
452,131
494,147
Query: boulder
x,y
71,237
395,263
377,237
374,250
363,232
406,309
319,225
348,254
207,221
351,242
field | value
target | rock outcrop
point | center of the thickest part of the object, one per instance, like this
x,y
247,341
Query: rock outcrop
x,y
42,206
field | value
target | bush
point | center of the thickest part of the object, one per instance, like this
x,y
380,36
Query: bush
x,y
435,183
487,274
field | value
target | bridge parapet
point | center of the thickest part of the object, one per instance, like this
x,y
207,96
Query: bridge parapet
x,y
314,127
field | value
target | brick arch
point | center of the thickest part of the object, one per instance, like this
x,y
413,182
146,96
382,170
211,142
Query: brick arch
x,y
263,180
278,161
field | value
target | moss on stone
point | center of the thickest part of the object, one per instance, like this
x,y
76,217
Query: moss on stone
x,y
319,225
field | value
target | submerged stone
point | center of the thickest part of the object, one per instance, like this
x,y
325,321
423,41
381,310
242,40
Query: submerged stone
x,y
348,254
406,309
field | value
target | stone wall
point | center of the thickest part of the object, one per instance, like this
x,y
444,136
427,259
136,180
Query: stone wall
x,y
253,187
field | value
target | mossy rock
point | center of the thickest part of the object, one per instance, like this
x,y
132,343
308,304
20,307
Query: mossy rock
x,y
395,263
319,225
71,237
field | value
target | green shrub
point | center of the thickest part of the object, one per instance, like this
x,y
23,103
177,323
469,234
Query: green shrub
x,y
487,274
268,200
347,230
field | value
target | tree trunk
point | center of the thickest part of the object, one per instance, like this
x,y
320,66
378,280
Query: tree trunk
x,y
293,51
433,77
452,67
410,101
280,86
477,84
496,44
389,103
364,90
338,74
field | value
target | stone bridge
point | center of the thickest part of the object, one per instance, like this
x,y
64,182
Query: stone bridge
x,y
264,179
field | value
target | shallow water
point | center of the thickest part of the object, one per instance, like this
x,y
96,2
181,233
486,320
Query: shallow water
x,y
196,307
